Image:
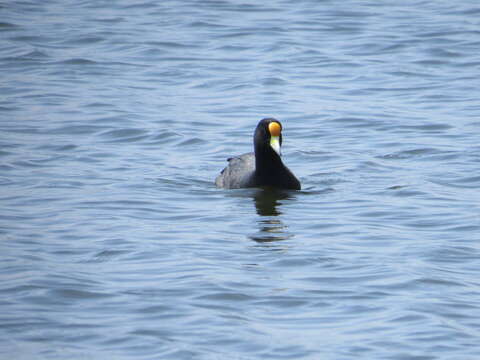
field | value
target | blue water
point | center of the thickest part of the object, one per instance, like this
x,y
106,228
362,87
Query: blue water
x,y
115,119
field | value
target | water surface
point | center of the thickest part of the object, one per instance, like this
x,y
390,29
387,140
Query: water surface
x,y
115,118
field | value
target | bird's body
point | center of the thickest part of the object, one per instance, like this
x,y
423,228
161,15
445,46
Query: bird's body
x,y
238,173
264,167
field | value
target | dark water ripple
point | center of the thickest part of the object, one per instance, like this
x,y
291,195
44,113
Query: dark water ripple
x,y
116,117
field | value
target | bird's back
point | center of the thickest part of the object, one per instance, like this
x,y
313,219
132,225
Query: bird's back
x,y
239,172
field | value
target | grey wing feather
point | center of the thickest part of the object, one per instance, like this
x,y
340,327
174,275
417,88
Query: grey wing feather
x,y
238,173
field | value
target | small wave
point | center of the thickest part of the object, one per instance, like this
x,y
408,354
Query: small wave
x,y
408,154
192,141
125,135
7,26
77,61
86,40
31,55
76,294
78,129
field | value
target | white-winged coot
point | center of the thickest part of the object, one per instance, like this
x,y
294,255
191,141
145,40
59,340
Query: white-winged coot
x,y
262,168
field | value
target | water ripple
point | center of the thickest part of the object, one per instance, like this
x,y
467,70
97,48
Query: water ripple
x,y
118,116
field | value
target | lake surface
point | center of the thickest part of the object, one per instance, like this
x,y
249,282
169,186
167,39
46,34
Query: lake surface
x,y
115,119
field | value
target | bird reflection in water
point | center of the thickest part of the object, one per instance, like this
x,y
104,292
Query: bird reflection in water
x,y
271,227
